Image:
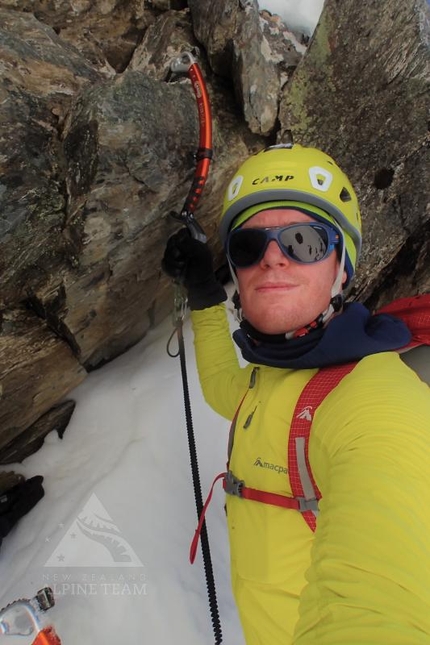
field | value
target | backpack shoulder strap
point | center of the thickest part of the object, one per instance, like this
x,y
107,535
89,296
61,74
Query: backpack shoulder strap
x,y
301,478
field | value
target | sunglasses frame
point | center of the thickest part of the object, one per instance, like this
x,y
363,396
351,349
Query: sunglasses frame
x,y
274,233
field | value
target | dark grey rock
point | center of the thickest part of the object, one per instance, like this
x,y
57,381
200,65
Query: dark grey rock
x,y
362,94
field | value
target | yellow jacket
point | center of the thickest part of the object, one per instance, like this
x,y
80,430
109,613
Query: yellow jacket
x,y
363,578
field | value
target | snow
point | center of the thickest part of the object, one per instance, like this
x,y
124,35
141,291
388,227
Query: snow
x,y
122,473
302,15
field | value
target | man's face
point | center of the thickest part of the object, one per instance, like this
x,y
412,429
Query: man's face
x,y
279,295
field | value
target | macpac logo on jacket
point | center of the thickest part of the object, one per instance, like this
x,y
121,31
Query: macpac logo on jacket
x,y
266,464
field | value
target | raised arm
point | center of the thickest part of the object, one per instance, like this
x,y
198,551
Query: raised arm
x,y
189,262
222,379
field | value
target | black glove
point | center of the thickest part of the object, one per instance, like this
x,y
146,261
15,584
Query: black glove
x,y
18,501
189,262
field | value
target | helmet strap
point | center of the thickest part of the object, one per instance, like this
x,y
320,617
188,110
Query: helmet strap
x,y
335,304
238,315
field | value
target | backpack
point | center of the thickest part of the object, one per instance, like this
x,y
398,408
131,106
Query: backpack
x,y
18,500
415,313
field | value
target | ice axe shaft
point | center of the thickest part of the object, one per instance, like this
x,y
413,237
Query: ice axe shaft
x,y
187,64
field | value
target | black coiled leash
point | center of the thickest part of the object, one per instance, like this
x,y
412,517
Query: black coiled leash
x,y
186,63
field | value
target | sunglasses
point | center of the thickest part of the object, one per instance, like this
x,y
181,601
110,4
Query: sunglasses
x,y
305,243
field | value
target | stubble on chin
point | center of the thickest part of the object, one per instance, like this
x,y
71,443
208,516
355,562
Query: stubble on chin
x,y
272,320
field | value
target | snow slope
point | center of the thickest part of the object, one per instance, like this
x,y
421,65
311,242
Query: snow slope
x,y
118,486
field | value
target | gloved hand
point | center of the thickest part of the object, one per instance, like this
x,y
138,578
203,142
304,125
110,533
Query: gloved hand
x,y
17,501
189,262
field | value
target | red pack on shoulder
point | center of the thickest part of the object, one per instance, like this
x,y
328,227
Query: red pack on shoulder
x,y
415,312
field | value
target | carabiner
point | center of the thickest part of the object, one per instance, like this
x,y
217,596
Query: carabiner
x,y
182,63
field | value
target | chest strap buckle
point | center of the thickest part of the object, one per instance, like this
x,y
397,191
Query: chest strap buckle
x,y
233,485
307,505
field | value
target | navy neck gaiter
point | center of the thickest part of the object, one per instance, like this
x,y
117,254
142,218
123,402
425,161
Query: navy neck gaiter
x,y
351,335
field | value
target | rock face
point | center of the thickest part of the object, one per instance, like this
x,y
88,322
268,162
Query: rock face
x,y
97,144
362,94
105,32
238,48
40,76
92,162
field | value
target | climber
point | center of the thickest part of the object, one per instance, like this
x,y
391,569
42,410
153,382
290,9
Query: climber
x,y
291,230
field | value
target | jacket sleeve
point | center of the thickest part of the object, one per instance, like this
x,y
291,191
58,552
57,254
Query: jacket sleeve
x,y
222,379
368,581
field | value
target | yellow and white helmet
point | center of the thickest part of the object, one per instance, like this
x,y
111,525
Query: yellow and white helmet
x,y
295,176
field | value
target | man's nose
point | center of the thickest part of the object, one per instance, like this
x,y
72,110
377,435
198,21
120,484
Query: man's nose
x,y
273,255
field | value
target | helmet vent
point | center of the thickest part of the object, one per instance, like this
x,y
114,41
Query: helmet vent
x,y
345,195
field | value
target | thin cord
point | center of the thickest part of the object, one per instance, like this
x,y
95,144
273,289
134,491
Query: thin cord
x,y
207,561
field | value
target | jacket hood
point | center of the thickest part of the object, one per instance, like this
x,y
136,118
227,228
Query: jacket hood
x,y
352,335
